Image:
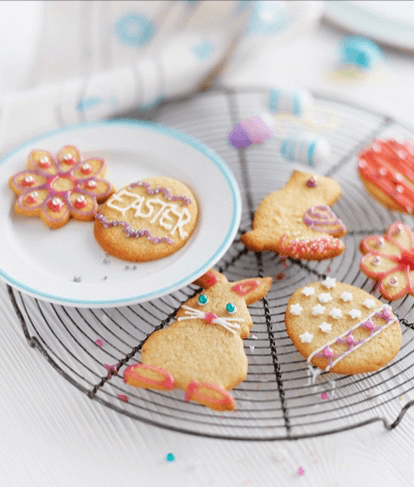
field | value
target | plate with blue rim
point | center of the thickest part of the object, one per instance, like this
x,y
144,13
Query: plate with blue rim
x,y
67,266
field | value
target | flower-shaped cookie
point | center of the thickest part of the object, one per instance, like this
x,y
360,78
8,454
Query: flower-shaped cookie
x,y
390,260
61,187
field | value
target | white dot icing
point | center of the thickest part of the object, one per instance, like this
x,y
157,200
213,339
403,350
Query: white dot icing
x,y
325,327
318,310
393,281
329,283
369,303
306,337
346,296
376,260
296,309
355,313
324,298
308,291
336,313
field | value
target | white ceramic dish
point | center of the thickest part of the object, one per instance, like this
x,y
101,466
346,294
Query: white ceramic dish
x,y
389,22
47,264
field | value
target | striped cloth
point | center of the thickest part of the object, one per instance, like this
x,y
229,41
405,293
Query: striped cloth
x,y
92,60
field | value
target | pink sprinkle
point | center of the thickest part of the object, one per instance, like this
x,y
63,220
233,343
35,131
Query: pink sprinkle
x,y
123,397
280,276
285,264
112,370
328,270
99,342
301,471
324,396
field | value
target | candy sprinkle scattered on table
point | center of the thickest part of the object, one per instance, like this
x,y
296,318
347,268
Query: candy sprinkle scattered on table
x,y
301,471
170,457
99,342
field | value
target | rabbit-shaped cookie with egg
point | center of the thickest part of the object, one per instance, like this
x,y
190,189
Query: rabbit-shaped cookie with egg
x,y
297,221
202,351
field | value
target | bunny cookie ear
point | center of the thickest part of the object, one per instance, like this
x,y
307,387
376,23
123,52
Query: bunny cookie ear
x,y
252,290
210,278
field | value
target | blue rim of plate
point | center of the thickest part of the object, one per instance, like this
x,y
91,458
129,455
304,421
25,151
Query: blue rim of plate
x,y
175,134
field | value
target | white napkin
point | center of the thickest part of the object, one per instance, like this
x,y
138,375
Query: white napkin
x,y
92,60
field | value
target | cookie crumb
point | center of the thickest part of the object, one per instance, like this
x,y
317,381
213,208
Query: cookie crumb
x,y
77,279
280,276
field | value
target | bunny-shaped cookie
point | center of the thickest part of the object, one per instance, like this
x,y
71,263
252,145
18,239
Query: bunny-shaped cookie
x,y
202,351
297,222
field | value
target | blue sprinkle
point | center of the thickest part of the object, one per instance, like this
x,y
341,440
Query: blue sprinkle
x,y
170,457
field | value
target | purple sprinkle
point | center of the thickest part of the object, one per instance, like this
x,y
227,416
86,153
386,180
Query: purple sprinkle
x,y
312,182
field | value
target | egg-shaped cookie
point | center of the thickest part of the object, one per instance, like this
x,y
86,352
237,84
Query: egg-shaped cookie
x,y
147,220
386,168
341,328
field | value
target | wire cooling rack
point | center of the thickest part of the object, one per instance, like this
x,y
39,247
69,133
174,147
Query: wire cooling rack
x,y
277,400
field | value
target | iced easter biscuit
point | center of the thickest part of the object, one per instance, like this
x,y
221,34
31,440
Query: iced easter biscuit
x,y
386,169
202,351
297,221
340,328
62,187
389,260
147,220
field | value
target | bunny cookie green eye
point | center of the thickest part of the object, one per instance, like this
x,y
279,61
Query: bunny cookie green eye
x,y
231,308
202,299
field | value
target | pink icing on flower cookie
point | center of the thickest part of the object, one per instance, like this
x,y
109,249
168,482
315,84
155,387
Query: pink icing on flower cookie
x,y
389,260
62,187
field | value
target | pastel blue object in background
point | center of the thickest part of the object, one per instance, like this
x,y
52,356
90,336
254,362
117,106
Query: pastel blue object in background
x,y
305,148
295,102
360,51
134,29
268,18
203,50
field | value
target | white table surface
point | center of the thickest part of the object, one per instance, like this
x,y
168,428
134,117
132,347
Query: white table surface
x,y
52,434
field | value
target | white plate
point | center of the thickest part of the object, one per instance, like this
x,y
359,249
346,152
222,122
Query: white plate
x,y
389,22
44,263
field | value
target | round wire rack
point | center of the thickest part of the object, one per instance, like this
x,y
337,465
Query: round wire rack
x,y
91,347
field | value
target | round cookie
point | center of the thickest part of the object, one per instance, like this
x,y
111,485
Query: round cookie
x,y
62,187
147,220
340,328
386,169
